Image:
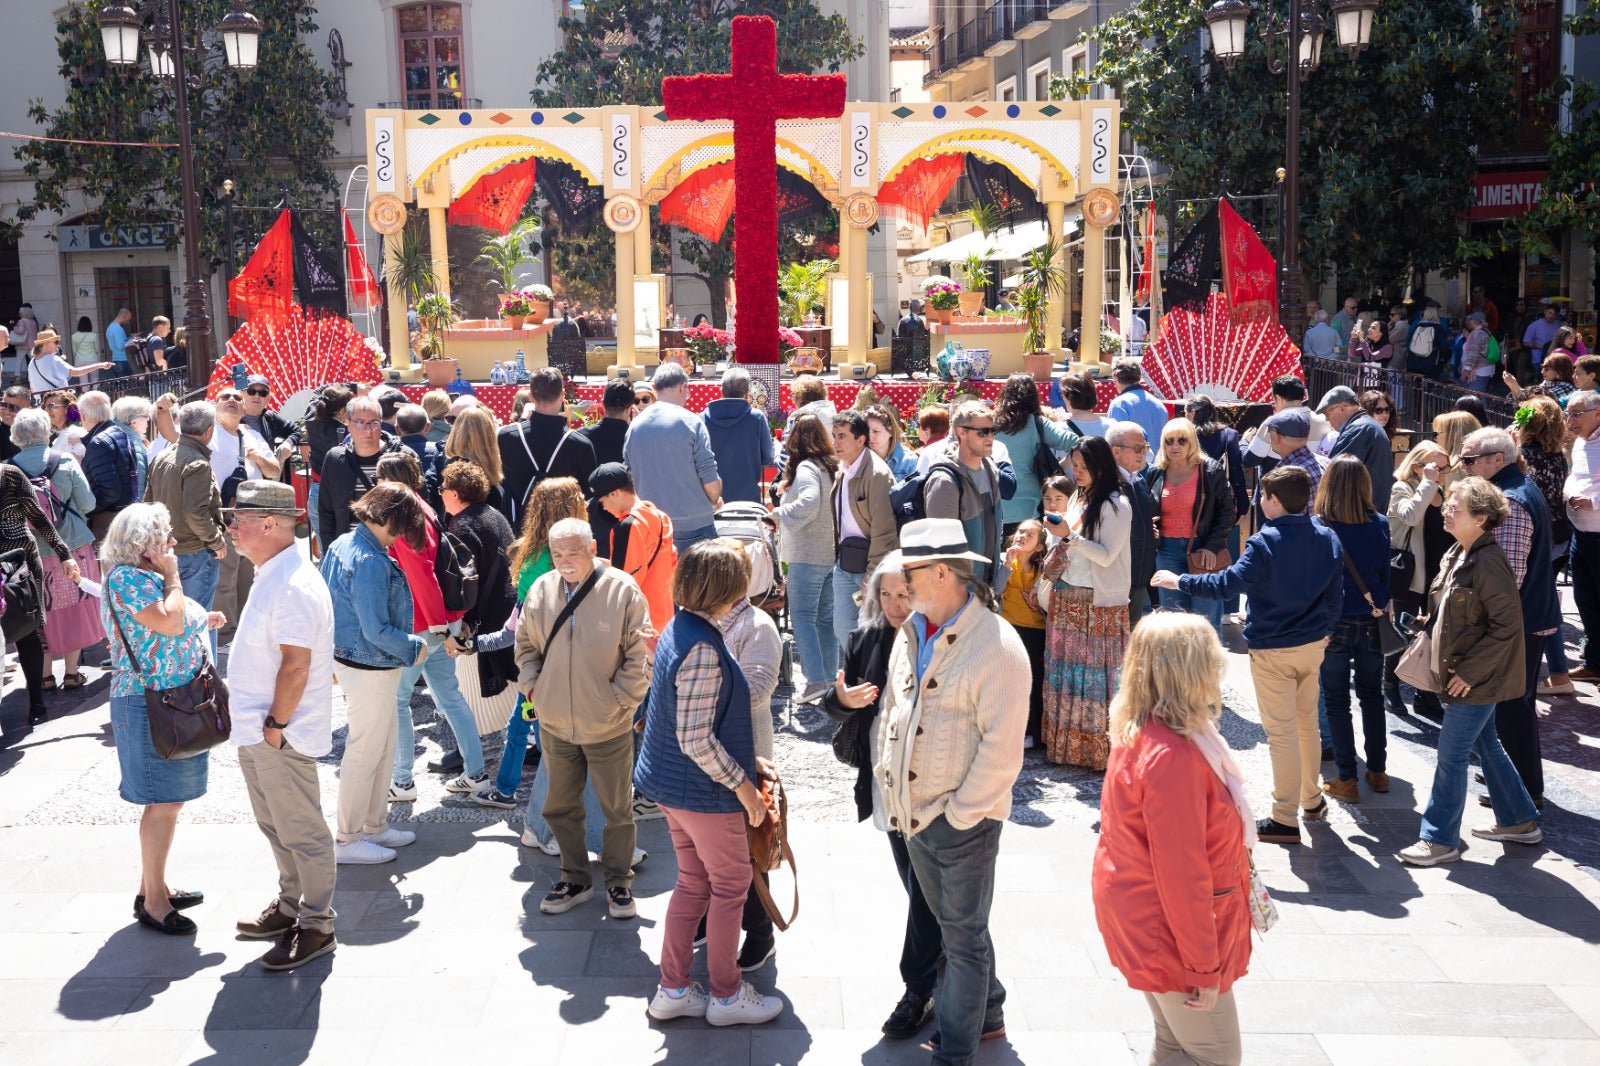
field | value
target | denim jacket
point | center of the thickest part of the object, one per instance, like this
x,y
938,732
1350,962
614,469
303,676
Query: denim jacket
x,y
371,603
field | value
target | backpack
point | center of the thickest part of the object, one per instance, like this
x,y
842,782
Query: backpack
x,y
138,355
540,471
20,592
50,501
1422,350
908,499
456,572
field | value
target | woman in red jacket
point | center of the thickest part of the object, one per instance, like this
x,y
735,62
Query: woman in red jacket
x,y
1172,868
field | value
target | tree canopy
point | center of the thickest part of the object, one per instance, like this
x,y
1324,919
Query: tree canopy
x,y
268,131
1387,139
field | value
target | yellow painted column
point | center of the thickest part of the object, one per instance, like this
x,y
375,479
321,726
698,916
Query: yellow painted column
x,y
1094,295
626,264
439,248
399,333
1055,213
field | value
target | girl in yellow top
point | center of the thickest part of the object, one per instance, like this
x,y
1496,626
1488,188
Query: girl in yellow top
x,y
1025,560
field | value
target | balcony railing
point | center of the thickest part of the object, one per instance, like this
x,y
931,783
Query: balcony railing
x,y
999,22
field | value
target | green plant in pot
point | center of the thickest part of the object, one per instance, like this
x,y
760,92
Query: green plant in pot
x,y
503,254
978,277
437,313
801,287
1043,278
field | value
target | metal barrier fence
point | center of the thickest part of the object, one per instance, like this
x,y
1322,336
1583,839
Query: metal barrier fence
x,y
150,385
1418,399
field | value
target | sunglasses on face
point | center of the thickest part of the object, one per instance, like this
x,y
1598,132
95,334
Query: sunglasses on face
x,y
1382,410
13,408
227,397
1468,460
263,393
982,431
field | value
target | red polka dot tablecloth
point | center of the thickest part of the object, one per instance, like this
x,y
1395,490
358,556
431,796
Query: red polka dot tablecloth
x,y
902,394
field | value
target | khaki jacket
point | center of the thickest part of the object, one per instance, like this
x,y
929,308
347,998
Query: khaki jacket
x,y
594,675
952,745
871,506
1477,622
181,478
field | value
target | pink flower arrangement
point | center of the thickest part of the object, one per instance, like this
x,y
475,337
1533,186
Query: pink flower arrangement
x,y
788,338
707,342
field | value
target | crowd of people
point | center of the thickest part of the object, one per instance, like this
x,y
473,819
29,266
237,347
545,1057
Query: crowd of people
x,y
959,592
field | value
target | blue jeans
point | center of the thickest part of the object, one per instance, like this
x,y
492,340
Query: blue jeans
x,y
1469,727
1231,604
1355,645
1555,653
811,613
1172,553
594,820
509,777
199,572
955,868
683,538
845,611
312,496
440,671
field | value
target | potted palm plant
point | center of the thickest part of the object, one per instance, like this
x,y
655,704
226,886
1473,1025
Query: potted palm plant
x,y
411,267
437,313
978,277
1043,278
504,254
800,288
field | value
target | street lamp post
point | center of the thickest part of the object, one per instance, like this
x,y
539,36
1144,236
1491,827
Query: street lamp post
x,y
1226,20
241,31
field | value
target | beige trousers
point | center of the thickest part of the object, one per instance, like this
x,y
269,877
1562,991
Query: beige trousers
x,y
369,744
1187,1037
286,799
1286,682
609,765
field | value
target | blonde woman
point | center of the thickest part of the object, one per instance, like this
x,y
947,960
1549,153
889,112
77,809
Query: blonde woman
x,y
1171,878
1416,526
1195,512
473,437
1449,430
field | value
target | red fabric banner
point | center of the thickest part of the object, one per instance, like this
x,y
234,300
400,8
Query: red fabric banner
x,y
495,200
918,190
702,203
1249,272
267,281
365,295
1147,266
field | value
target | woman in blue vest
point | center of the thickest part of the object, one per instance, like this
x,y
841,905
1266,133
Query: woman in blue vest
x,y
698,761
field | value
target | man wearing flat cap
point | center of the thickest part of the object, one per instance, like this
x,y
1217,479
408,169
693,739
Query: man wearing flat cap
x,y
1287,435
280,678
947,752
1360,436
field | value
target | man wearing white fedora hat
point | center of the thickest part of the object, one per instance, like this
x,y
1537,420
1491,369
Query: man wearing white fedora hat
x,y
947,752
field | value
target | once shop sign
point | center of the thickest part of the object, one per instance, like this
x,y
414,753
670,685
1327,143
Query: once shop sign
x,y
120,239
1506,194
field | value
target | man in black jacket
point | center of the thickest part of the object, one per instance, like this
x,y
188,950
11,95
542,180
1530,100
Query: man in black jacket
x,y
110,462
541,446
607,435
273,427
1129,448
351,469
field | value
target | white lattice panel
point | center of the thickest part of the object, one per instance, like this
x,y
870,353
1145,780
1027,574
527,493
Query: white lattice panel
x,y
425,147
898,140
820,139
661,143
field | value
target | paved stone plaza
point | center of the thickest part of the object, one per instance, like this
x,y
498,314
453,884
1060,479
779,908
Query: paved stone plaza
x,y
1493,960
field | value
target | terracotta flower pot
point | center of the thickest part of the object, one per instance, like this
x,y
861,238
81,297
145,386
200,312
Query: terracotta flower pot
x,y
971,304
1041,365
541,311
943,316
516,321
440,372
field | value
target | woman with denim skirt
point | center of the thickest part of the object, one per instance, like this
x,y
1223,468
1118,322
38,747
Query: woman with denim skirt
x,y
1477,661
372,646
1344,504
158,640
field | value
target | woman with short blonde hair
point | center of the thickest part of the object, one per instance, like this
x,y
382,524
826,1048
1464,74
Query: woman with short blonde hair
x,y
1171,876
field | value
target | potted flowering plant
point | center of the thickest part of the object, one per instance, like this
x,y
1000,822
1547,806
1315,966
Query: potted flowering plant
x,y
706,344
539,298
516,309
943,296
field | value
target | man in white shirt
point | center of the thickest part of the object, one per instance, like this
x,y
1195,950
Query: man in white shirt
x,y
1582,493
280,679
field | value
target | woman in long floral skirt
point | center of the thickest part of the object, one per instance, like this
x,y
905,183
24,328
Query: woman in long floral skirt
x,y
1086,633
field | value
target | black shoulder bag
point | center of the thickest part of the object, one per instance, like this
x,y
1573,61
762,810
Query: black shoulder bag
x,y
1389,637
189,718
1045,463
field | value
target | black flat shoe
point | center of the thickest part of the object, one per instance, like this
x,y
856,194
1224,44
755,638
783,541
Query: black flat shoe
x,y
180,901
452,763
38,716
174,924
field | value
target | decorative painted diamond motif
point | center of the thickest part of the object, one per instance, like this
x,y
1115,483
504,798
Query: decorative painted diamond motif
x,y
1050,110
977,112
500,117
902,112
661,116
573,117
429,119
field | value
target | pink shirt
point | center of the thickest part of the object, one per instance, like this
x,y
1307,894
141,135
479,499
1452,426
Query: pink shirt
x,y
1177,506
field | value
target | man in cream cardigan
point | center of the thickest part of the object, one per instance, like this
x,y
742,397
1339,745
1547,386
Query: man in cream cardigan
x,y
948,750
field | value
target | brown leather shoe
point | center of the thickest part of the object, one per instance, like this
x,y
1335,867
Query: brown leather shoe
x,y
1378,780
298,947
1344,789
1583,673
271,925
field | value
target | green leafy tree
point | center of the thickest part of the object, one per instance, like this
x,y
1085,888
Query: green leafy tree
x,y
1386,153
619,52
268,131
1571,195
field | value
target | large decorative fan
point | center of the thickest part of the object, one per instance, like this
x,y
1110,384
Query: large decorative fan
x,y
495,200
1218,357
296,351
702,203
918,190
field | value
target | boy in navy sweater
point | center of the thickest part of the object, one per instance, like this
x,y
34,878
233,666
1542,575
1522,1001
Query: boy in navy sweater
x,y
1292,571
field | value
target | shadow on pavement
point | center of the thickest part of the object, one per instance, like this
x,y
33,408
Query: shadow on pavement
x,y
131,954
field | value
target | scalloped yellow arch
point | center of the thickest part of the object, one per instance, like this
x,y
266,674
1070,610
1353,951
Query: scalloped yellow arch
x,y
535,146
960,138
720,140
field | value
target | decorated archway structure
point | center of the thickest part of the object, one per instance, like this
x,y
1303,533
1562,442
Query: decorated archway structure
x,y
1066,150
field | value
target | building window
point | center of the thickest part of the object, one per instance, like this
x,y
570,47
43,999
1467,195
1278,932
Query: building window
x,y
1075,65
1006,91
431,56
1039,81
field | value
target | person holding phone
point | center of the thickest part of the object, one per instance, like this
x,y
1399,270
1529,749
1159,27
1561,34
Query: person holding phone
x,y
1416,529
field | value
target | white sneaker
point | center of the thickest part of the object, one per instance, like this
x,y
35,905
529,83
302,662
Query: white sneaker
x,y
745,1007
1526,833
639,856
528,839
467,784
393,838
402,793
362,853
690,1002
551,847
1547,689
